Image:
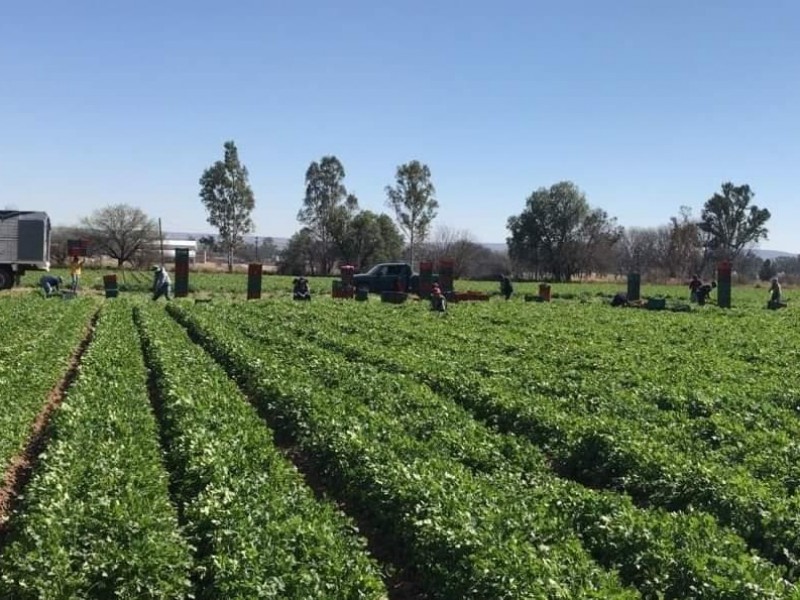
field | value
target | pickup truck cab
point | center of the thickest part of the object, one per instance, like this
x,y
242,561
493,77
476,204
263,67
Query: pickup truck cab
x,y
386,277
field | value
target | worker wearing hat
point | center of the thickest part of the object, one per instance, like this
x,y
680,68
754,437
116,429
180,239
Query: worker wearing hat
x,y
50,283
161,283
300,290
775,298
438,301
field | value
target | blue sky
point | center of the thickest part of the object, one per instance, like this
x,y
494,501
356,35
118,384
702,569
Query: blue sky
x,y
645,105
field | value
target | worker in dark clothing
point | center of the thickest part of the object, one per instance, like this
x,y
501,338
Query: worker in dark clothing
x,y
161,283
704,292
775,291
505,286
300,290
50,283
620,299
438,301
694,285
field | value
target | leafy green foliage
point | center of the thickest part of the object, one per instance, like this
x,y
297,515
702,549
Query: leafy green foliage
x,y
731,222
504,450
39,336
671,554
96,521
460,529
259,530
558,234
681,429
225,192
369,239
767,270
413,200
327,208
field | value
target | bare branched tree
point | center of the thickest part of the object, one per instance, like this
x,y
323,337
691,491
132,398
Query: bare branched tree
x,y
119,231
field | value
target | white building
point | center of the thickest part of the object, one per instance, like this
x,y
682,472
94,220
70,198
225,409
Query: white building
x,y
171,245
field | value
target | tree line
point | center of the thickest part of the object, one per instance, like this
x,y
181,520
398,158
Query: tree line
x,y
558,235
334,229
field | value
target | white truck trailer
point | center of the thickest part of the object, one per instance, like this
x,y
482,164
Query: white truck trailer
x,y
24,244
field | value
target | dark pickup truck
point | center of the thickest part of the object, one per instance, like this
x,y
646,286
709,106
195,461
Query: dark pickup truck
x,y
388,277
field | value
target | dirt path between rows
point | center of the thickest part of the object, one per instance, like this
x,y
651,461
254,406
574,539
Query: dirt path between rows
x,y
20,467
401,580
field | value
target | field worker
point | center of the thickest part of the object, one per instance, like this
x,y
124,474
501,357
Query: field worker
x,y
438,301
620,299
505,286
300,290
694,285
775,300
161,283
50,283
704,292
75,266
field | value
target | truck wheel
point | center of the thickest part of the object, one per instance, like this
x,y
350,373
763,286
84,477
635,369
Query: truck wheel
x,y
6,279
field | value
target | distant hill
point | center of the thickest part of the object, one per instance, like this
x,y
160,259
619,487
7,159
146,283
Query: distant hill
x,y
771,254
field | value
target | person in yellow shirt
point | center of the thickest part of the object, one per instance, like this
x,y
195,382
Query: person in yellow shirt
x,y
75,271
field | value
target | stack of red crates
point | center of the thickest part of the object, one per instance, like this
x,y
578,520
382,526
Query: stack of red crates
x,y
77,247
344,288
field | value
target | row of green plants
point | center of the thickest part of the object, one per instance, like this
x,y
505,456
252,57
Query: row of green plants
x,y
257,527
96,520
599,357
726,387
454,527
18,313
674,555
734,397
599,448
34,357
715,385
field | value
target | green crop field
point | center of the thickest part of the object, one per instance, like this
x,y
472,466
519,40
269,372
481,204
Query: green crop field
x,y
341,449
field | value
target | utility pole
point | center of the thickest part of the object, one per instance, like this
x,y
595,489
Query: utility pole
x,y
161,241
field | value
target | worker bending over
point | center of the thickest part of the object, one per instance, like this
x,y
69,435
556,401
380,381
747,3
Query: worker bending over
x,y
620,299
50,283
704,292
